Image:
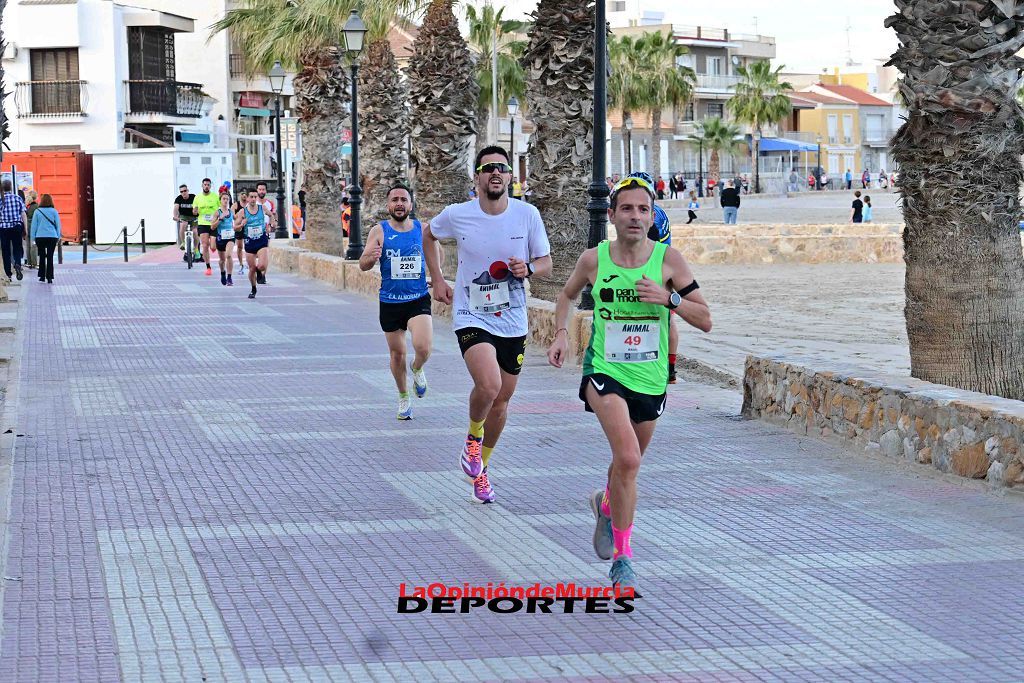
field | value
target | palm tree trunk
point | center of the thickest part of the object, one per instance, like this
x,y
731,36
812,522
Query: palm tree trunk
x,y
654,163
627,143
483,117
322,101
714,166
383,129
960,172
559,64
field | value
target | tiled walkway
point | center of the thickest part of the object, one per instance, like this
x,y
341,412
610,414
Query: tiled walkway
x,y
215,489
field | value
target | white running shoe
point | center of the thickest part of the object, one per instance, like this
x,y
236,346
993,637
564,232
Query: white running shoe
x,y
419,381
404,408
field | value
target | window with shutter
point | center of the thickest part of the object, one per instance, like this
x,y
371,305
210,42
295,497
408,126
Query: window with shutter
x,y
55,85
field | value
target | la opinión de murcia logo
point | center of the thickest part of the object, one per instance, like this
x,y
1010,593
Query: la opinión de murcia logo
x,y
562,598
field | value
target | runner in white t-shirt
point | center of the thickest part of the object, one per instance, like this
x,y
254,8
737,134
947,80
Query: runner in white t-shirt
x,y
500,244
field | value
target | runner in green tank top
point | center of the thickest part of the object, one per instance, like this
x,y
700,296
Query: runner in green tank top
x,y
637,285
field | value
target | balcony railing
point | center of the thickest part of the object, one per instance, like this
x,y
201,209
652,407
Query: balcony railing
x,y
172,98
717,82
50,98
876,136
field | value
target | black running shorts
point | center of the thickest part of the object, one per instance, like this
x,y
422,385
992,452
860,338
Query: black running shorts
x,y
205,230
642,407
509,350
394,317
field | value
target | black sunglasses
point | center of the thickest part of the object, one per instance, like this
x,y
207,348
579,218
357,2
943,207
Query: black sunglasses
x,y
494,166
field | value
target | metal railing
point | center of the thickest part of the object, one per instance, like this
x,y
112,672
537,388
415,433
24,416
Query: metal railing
x,y
236,65
173,98
700,32
868,137
752,38
718,82
50,98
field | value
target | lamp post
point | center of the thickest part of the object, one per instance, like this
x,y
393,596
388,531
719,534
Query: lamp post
x,y
757,161
700,166
513,109
355,31
597,207
817,169
629,145
276,75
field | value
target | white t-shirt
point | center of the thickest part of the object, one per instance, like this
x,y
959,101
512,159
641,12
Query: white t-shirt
x,y
269,209
486,294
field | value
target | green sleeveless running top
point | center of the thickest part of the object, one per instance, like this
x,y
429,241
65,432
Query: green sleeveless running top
x,y
628,339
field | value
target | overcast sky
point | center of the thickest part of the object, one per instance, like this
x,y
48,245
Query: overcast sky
x,y
809,35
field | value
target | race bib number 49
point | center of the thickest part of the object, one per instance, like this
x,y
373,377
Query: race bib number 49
x,y
490,298
406,267
255,233
631,342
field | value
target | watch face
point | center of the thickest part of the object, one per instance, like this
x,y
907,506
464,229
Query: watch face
x,y
676,299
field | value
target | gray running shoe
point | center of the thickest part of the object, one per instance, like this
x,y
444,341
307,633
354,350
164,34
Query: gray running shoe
x,y
622,573
604,542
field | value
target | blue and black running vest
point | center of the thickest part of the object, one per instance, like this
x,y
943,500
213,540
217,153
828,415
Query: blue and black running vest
x,y
403,270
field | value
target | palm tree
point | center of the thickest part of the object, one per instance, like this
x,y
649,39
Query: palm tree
x,y
443,91
718,137
669,84
304,37
559,62
487,26
627,91
959,156
760,100
383,108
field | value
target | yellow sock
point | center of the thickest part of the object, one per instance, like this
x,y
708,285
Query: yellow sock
x,y
485,454
476,429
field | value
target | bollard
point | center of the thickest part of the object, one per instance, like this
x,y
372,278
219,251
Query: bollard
x,y
60,250
85,247
124,232
142,225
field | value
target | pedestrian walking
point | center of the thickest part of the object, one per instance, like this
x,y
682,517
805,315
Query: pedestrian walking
x,y
691,208
857,209
31,205
673,189
730,200
810,181
865,179
883,180
867,209
13,222
45,232
849,180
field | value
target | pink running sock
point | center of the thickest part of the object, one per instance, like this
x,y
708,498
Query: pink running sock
x,y
621,537
606,503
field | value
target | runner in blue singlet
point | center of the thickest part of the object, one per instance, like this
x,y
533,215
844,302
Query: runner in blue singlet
x,y
404,298
253,223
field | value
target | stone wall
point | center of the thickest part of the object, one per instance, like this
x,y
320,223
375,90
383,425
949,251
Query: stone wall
x,y
969,434
753,244
342,274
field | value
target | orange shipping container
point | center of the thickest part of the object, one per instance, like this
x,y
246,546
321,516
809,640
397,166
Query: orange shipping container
x,y
65,176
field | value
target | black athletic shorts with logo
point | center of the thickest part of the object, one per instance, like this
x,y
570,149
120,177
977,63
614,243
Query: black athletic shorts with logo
x,y
642,407
394,317
510,350
205,229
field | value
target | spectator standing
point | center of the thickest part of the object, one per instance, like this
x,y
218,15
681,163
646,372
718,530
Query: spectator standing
x,y
810,181
867,209
849,180
794,181
13,224
29,210
857,209
659,187
883,180
865,179
824,181
691,208
45,233
730,200
517,189
672,189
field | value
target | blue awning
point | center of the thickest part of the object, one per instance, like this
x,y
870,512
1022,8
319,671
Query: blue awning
x,y
253,111
786,145
183,136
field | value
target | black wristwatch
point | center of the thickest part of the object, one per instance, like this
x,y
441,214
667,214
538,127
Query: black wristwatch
x,y
529,269
674,301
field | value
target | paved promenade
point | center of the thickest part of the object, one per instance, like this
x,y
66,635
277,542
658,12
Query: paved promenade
x,y
207,488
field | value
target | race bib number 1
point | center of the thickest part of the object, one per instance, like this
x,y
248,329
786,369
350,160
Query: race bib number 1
x,y
406,267
631,342
489,298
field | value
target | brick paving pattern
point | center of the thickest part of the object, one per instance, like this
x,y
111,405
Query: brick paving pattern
x,y
215,489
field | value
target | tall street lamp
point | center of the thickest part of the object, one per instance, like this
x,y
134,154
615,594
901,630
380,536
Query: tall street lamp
x,y
277,74
757,161
629,145
513,109
355,31
817,169
700,166
597,207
